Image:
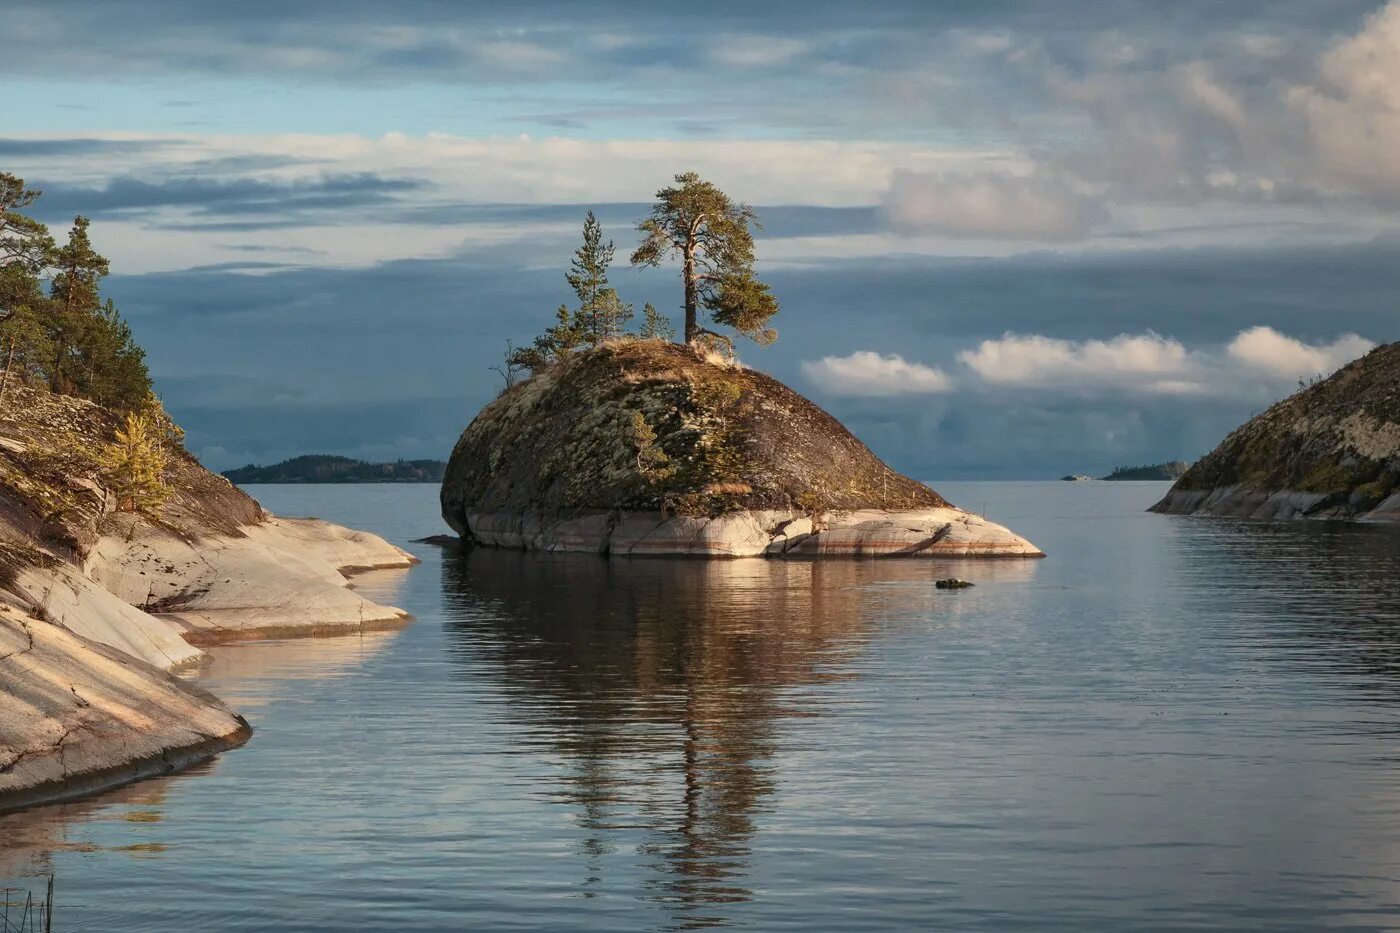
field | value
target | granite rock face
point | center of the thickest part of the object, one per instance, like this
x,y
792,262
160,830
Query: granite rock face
x,y
77,716
647,448
1331,451
97,605
769,533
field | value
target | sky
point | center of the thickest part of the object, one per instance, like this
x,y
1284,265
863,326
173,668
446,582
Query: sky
x,y
1009,239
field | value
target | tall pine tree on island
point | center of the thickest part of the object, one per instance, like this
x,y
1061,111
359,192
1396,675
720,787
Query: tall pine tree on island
x,y
710,233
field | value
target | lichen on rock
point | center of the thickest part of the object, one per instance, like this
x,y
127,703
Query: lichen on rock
x,y
1331,450
647,447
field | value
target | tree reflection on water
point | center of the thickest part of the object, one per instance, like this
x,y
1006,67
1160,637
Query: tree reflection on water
x,y
664,684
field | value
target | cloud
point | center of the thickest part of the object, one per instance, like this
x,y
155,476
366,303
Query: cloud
x,y
1352,112
986,206
229,196
1272,352
867,373
11,147
1146,362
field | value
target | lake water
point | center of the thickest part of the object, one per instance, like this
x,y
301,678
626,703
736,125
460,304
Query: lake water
x,y
1169,723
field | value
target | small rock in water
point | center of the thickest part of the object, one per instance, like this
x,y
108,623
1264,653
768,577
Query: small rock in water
x,y
953,583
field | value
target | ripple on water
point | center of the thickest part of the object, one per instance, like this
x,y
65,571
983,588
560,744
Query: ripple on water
x,y
1167,723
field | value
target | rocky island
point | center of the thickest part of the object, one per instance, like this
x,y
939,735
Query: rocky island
x,y
1332,451
99,600
625,443
645,447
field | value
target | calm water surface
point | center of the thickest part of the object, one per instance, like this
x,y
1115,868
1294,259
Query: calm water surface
x,y
1170,723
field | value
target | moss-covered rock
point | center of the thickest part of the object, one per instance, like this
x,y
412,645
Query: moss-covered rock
x,y
1331,450
646,425
645,447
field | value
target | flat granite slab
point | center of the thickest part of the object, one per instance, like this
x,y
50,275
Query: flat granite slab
x,y
912,533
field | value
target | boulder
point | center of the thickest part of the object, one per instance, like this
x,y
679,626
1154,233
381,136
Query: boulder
x,y
646,448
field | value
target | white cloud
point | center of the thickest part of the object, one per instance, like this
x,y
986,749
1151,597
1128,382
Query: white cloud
x,y
751,51
456,170
986,205
1146,362
1353,112
866,372
1152,364
1266,349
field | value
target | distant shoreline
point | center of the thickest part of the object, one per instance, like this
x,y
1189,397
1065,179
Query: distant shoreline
x,y
323,469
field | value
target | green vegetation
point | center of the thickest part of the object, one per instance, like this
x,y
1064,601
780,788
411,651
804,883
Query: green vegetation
x,y
699,224
648,425
133,466
1157,471
326,468
709,233
66,337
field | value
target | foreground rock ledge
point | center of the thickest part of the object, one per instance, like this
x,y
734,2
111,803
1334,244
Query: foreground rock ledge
x,y
77,717
649,448
944,532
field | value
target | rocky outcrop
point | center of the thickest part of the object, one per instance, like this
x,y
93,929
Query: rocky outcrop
x,y
98,604
945,532
1330,451
281,577
77,716
649,448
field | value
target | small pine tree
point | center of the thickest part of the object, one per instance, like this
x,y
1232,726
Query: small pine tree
x,y
133,466
655,325
601,314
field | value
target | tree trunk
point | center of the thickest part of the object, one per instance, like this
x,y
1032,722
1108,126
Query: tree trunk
x,y
5,376
692,325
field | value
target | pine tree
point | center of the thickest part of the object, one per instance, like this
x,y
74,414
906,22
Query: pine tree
x,y
698,223
110,368
655,325
133,466
79,270
25,244
601,313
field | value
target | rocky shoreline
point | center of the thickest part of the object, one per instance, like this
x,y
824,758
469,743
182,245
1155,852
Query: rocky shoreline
x,y
89,700
1329,451
98,607
1235,501
913,533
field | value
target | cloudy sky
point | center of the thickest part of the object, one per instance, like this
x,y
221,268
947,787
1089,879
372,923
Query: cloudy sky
x,y
1010,239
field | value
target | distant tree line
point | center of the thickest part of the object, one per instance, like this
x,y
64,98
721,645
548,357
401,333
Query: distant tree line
x,y
692,222
56,328
328,468
1152,471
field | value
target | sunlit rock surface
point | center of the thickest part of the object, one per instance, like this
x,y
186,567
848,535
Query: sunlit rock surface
x,y
98,604
1330,451
77,716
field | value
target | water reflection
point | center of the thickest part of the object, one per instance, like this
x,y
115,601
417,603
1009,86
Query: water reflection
x,y
249,676
32,838
664,684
